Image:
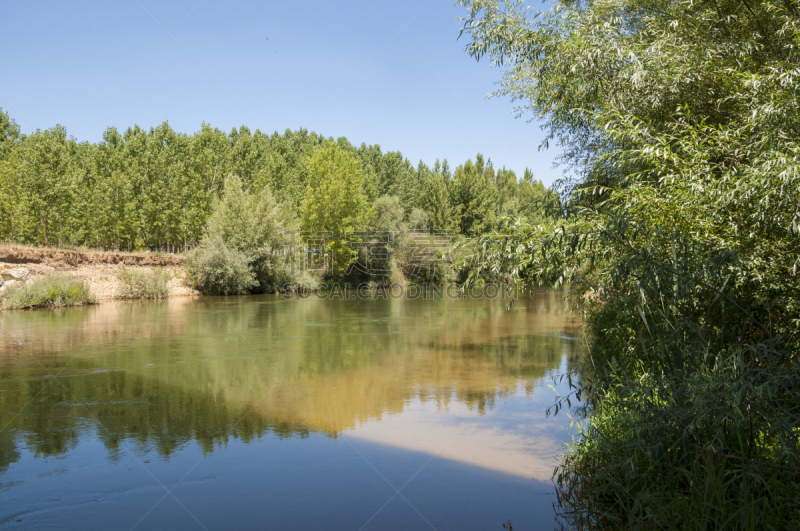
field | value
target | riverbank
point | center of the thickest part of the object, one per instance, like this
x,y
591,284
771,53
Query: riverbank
x,y
99,270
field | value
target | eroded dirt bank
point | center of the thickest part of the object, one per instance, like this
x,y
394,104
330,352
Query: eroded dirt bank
x,y
98,269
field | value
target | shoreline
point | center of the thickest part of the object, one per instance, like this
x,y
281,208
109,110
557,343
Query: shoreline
x,y
97,269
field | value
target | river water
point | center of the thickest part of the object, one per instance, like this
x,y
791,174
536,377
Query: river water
x,y
266,413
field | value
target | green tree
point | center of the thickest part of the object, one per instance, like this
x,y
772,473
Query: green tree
x,y
441,215
681,122
48,181
210,155
141,174
387,215
12,202
505,182
390,170
235,255
535,201
9,133
154,189
474,196
13,212
334,203
172,214
286,163
114,194
419,220
416,188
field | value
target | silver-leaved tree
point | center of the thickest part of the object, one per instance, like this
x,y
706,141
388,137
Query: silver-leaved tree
x,y
681,229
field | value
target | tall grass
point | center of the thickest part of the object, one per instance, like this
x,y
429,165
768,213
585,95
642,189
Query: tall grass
x,y
150,284
51,291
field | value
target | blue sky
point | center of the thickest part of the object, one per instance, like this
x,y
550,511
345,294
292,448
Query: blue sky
x,y
381,72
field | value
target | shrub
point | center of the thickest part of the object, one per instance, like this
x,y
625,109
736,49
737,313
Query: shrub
x,y
235,255
683,233
144,284
218,269
708,450
397,277
424,260
287,280
50,291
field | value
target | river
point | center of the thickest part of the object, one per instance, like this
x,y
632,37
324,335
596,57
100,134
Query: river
x,y
265,412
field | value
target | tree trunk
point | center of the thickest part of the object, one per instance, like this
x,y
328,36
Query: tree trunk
x,y
43,227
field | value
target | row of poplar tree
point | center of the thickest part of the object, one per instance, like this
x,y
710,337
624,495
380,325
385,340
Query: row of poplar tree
x,y
154,189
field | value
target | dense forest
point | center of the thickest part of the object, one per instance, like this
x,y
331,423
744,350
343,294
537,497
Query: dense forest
x,y
681,121
155,189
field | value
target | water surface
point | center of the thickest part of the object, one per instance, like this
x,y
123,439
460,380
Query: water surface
x,y
261,412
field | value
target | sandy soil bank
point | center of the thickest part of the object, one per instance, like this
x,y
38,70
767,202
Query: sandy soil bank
x,y
98,269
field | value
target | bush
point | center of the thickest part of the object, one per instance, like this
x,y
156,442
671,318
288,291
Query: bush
x,y
424,260
235,255
709,450
51,291
287,280
144,284
397,278
217,269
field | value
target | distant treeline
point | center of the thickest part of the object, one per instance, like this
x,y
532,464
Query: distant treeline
x,y
155,189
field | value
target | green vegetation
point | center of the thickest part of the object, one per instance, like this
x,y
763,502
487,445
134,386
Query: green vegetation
x,y
236,253
681,229
155,190
335,203
51,291
150,284
254,212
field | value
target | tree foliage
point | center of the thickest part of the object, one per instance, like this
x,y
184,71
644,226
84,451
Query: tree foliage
x,y
155,189
236,253
387,215
335,204
680,120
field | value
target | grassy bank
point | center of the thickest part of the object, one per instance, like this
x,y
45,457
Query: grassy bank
x,y
51,291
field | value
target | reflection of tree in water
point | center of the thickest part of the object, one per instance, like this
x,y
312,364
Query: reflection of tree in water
x,y
119,407
8,451
245,367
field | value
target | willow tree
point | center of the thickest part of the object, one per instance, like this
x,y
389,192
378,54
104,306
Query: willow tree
x,y
235,254
680,120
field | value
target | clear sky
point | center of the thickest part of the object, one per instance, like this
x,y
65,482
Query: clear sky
x,y
382,72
